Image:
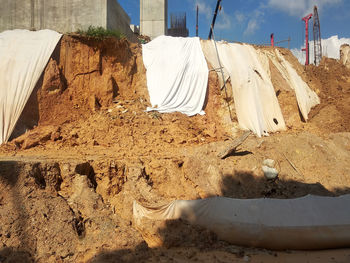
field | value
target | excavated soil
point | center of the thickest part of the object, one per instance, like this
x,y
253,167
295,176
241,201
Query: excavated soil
x,y
84,149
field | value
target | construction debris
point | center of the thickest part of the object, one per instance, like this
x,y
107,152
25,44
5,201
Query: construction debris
x,y
232,146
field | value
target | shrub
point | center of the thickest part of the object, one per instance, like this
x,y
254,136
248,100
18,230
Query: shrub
x,y
100,33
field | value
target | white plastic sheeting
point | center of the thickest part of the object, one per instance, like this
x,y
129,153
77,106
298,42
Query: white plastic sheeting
x,y
23,57
177,75
306,97
345,55
212,57
256,103
310,222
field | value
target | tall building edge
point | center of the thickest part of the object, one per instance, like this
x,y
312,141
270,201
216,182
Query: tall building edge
x,y
166,17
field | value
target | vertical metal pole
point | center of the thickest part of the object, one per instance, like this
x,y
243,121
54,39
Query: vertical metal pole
x,y
272,40
197,23
307,43
141,17
306,49
214,19
288,42
32,15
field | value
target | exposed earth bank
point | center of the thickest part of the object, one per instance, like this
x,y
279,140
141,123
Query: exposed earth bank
x,y
68,183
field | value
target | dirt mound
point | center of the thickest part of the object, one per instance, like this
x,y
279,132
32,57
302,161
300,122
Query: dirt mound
x,y
332,81
94,93
67,185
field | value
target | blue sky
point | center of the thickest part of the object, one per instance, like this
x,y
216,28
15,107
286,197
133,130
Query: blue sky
x,y
252,21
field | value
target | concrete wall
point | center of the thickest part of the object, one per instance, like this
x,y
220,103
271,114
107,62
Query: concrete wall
x,y
118,19
63,15
153,17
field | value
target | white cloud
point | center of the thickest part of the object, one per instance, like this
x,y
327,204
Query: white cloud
x,y
330,48
300,7
203,8
239,17
224,20
206,10
257,18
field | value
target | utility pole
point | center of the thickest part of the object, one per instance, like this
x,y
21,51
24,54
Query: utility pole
x,y
197,23
214,19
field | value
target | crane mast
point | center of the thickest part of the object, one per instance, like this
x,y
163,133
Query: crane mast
x,y
306,49
317,38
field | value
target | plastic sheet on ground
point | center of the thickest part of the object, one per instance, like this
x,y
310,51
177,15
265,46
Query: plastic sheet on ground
x,y
177,75
256,103
310,222
23,57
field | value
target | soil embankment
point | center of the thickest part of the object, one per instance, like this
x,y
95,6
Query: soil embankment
x,y
67,184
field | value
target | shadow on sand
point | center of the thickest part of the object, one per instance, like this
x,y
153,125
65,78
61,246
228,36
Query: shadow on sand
x,y
9,175
177,233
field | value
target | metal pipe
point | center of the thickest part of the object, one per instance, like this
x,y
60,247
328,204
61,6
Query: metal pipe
x,y
272,40
288,42
32,15
222,74
197,22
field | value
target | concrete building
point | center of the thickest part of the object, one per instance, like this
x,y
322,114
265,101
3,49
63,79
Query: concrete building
x,y
178,26
64,15
135,29
153,18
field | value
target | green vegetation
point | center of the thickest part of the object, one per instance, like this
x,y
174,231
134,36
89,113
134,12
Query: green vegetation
x,y
100,33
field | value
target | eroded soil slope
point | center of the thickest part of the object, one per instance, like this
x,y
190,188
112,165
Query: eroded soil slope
x,y
67,184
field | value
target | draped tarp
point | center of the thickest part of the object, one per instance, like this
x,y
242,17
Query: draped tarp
x,y
310,222
177,74
23,57
255,100
306,97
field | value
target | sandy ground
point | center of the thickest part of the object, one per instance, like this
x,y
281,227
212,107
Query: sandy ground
x,y
67,185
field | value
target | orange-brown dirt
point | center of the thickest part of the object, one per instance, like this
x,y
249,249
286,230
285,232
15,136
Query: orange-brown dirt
x,y
68,183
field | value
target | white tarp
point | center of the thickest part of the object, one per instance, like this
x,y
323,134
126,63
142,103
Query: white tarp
x,y
310,222
256,103
306,97
212,57
23,57
345,55
177,74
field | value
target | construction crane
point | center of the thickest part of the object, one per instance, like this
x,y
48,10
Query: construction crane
x,y
317,38
214,18
306,49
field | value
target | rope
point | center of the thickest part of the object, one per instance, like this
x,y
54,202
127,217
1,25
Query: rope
x,y
222,74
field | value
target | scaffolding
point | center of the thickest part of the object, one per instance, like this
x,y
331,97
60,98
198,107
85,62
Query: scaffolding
x,y
178,26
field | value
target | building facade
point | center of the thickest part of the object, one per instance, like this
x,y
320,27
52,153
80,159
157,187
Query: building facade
x,y
64,16
153,18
